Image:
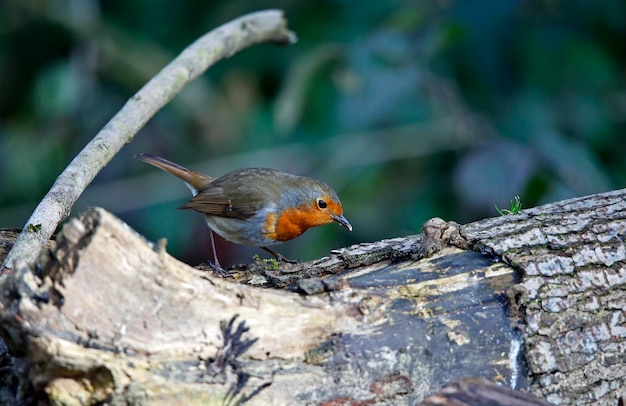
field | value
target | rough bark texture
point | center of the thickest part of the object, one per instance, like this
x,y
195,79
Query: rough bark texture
x,y
106,316
572,297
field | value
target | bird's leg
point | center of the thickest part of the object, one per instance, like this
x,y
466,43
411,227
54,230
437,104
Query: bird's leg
x,y
216,261
279,257
216,264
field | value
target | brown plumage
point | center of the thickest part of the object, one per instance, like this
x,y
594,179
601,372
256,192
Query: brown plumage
x,y
257,206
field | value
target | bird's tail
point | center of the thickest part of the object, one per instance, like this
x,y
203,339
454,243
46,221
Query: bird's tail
x,y
195,181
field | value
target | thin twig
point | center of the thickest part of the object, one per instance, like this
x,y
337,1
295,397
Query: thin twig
x,y
223,42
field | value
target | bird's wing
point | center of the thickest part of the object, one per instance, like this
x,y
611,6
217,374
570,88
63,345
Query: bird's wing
x,y
213,201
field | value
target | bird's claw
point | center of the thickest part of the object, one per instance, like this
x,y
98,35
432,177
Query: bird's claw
x,y
281,258
218,270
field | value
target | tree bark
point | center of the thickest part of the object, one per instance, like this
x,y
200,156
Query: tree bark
x,y
572,299
534,301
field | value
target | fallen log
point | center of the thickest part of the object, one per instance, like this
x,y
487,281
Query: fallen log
x,y
533,301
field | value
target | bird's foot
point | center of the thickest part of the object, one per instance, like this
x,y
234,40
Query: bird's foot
x,y
281,258
218,270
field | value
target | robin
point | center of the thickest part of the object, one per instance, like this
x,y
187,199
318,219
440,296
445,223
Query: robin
x,y
256,206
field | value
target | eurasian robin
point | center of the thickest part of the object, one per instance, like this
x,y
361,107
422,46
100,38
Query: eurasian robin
x,y
257,206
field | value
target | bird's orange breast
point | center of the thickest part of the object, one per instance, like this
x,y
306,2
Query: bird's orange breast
x,y
293,222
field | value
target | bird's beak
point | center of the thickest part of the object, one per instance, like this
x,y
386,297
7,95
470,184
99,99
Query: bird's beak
x,y
342,220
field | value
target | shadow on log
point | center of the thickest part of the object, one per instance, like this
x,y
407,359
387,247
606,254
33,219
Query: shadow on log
x,y
108,316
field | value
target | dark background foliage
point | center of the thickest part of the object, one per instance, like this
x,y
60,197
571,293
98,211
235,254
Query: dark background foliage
x,y
409,109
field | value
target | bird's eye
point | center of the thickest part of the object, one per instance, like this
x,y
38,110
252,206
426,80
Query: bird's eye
x,y
321,203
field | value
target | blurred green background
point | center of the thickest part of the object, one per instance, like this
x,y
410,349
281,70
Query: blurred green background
x,y
409,109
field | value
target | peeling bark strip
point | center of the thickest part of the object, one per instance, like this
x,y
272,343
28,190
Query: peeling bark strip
x,y
110,317
480,392
573,293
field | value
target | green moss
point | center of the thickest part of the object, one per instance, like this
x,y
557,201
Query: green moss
x,y
33,228
269,264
